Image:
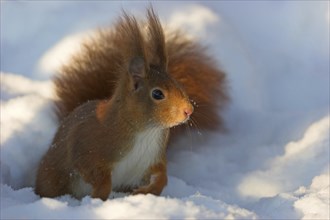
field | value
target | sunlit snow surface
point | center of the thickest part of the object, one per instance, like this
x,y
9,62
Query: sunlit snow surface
x,y
271,162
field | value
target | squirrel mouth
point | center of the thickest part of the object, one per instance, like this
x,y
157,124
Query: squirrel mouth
x,y
181,122
186,120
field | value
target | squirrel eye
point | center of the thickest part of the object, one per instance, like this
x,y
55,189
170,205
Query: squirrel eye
x,y
157,94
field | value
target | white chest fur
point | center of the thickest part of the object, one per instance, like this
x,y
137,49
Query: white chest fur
x,y
145,152
131,169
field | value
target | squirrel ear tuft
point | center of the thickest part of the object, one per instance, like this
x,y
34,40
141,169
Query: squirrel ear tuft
x,y
157,40
137,71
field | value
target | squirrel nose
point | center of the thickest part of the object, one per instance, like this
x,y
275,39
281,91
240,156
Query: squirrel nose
x,y
188,111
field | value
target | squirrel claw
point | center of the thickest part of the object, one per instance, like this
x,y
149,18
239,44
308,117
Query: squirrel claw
x,y
149,189
141,190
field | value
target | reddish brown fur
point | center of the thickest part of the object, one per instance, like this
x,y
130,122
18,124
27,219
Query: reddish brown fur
x,y
94,73
95,137
202,80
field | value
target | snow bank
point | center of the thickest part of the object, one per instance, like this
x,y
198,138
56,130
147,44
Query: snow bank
x,y
27,126
314,200
307,202
300,161
130,207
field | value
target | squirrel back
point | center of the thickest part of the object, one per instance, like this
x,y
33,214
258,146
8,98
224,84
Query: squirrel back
x,y
94,73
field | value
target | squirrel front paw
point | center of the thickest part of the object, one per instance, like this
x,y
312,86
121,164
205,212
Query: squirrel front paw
x,y
146,190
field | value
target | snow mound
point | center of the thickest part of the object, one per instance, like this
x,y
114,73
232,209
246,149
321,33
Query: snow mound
x,y
27,126
300,160
20,205
314,200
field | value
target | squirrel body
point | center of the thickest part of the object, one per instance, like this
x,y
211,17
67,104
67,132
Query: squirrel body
x,y
132,157
117,103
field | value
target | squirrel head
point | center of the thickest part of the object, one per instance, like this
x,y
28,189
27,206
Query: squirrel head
x,y
149,92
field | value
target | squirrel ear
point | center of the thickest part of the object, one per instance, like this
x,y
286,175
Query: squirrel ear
x,y
137,71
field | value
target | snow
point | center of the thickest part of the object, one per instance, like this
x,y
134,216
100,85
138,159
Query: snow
x,y
314,202
272,162
298,157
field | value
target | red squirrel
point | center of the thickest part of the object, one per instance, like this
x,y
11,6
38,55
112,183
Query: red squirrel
x,y
117,101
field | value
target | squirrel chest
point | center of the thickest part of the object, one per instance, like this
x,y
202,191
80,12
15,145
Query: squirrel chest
x,y
129,172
